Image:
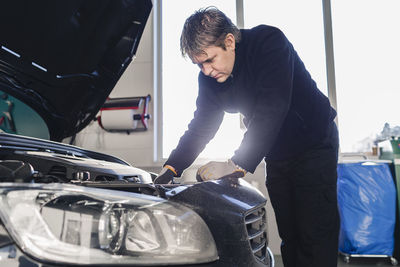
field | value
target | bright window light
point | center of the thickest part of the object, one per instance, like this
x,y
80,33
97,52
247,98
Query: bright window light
x,y
366,47
179,82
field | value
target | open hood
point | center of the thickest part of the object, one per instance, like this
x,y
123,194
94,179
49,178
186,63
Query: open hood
x,y
62,58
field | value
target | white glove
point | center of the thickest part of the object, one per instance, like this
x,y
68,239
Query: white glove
x,y
215,170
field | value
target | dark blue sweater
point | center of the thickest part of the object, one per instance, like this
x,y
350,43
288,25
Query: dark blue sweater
x,y
284,112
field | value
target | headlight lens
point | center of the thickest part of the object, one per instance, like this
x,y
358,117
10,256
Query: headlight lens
x,y
75,225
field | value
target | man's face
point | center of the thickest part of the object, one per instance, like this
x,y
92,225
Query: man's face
x,y
217,62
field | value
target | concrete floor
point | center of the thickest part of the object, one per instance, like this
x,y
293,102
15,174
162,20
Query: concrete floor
x,y
354,262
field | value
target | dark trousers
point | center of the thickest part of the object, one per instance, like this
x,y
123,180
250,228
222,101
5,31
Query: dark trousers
x,y
303,194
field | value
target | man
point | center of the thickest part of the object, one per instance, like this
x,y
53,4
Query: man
x,y
289,124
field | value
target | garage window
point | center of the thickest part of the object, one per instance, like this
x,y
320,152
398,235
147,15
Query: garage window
x,y
366,45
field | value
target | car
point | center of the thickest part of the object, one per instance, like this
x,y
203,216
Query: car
x,y
65,205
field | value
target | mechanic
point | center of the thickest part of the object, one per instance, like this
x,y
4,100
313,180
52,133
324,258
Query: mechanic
x,y
290,124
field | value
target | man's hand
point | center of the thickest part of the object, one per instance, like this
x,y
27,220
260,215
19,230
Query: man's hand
x,y
166,175
215,170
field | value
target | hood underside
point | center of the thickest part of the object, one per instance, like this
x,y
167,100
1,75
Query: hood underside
x,y
62,58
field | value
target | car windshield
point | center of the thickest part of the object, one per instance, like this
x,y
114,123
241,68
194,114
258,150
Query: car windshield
x,y
18,118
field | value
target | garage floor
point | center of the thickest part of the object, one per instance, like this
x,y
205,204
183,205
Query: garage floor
x,y
353,262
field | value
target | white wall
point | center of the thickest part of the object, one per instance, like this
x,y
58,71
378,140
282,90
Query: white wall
x,y
137,148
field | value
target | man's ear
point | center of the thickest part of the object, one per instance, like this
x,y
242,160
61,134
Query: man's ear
x,y
230,41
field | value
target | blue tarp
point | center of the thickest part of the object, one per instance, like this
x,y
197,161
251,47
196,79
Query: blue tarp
x,y
367,206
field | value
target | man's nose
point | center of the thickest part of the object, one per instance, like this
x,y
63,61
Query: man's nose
x,y
207,69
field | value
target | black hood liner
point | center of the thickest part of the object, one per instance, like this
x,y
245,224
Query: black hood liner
x,y
64,57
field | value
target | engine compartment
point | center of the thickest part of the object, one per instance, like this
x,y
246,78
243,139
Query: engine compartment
x,y
51,167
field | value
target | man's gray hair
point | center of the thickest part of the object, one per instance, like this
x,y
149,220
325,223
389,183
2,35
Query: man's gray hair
x,y
206,27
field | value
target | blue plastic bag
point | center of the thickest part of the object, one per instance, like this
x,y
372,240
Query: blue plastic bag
x,y
367,206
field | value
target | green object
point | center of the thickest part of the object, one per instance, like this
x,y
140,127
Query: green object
x,y
396,160
395,147
17,117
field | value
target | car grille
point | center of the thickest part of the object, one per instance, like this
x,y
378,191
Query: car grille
x,y
256,226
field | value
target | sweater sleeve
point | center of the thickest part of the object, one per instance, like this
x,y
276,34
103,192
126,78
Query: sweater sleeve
x,y
274,65
202,128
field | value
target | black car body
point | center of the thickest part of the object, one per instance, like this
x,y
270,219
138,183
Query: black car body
x,y
63,205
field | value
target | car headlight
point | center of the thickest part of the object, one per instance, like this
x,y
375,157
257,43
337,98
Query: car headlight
x,y
75,225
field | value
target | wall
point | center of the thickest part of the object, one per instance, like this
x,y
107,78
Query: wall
x,y
137,148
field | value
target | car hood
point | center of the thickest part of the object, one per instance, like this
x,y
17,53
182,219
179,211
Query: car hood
x,y
63,58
